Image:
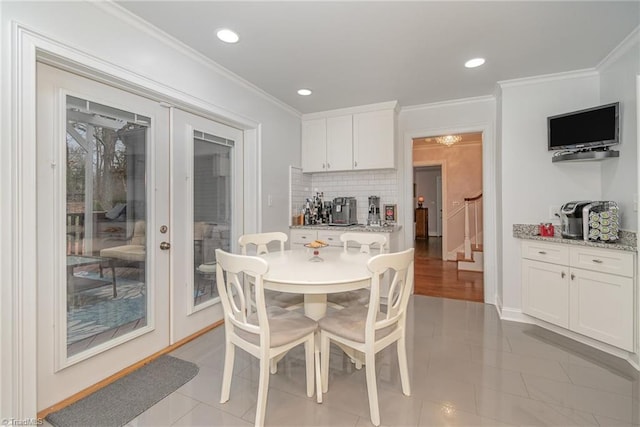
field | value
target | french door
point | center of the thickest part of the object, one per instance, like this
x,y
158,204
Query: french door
x,y
207,214
103,196
133,199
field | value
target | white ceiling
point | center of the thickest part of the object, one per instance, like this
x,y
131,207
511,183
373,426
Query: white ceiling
x,y
361,52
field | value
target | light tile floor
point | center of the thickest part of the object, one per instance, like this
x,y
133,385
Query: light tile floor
x,y
467,367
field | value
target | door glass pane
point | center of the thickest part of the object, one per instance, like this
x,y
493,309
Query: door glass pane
x,y
105,223
211,209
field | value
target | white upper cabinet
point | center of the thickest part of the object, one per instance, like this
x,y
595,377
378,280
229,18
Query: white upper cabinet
x,y
357,138
314,145
339,137
373,136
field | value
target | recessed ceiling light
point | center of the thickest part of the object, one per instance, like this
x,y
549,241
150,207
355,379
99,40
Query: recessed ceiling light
x,y
227,36
304,92
473,63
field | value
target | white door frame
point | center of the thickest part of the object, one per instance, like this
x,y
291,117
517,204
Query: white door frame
x,y
489,185
18,367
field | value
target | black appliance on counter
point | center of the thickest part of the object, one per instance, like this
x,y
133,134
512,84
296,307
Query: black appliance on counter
x,y
344,211
571,225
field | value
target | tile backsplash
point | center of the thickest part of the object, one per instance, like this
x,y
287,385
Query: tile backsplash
x,y
358,184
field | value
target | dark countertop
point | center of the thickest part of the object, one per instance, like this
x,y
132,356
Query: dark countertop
x,y
627,241
359,228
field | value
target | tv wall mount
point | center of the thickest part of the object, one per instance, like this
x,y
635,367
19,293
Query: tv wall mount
x,y
584,155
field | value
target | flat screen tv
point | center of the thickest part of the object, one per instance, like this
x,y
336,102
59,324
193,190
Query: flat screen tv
x,y
591,128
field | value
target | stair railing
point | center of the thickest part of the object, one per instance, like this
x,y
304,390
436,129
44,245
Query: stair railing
x,y
467,235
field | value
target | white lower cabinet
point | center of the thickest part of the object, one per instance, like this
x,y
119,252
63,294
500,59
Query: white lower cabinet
x,y
602,307
587,290
545,291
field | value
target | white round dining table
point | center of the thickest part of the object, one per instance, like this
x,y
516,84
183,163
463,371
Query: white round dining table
x,y
294,271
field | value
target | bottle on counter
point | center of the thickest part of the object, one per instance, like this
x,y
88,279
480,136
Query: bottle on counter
x,y
307,213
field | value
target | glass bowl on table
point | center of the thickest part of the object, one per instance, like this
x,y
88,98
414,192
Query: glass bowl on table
x,y
315,246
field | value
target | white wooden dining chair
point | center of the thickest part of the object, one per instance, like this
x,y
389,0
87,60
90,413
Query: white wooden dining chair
x,y
266,333
368,243
258,244
371,329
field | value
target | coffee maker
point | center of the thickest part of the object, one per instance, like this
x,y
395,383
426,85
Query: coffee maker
x,y
374,211
571,219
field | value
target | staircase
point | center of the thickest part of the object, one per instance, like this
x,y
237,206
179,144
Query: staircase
x,y
472,259
474,263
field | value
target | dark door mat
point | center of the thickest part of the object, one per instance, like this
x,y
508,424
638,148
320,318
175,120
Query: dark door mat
x,y
123,400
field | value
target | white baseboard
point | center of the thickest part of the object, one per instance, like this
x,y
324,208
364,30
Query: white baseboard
x,y
514,315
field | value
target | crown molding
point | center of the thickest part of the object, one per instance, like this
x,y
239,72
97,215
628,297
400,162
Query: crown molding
x,y
544,78
135,21
625,45
449,103
389,105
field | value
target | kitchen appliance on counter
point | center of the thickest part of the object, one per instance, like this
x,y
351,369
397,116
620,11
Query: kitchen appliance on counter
x,y
344,211
600,221
374,212
571,225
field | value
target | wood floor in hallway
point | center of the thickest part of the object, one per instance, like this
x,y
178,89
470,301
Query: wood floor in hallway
x,y
437,278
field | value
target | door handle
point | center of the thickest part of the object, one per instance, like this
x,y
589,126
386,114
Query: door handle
x,y
165,246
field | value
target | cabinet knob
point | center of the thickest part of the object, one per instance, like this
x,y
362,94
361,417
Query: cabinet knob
x,y
328,165
355,164
323,167
542,252
573,276
562,274
597,261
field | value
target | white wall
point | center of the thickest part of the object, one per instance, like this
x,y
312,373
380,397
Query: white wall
x,y
531,183
104,31
618,83
458,116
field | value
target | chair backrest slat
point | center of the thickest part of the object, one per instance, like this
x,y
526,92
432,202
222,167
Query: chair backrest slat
x,y
365,240
261,240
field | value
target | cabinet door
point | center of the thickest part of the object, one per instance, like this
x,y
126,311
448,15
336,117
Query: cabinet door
x,y
339,143
602,307
314,145
373,140
545,291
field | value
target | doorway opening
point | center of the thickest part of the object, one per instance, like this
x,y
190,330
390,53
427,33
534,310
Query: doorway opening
x,y
447,182
428,232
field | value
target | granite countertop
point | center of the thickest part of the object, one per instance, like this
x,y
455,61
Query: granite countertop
x,y
627,241
359,227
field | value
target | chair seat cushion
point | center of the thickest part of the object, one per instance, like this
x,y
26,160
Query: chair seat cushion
x,y
282,299
285,326
346,299
132,253
350,322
